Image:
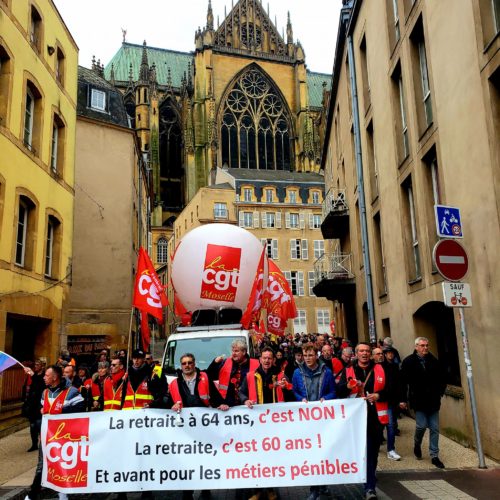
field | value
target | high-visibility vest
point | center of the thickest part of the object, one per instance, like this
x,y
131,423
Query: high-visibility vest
x,y
56,407
137,399
379,383
203,389
256,391
112,398
225,374
337,366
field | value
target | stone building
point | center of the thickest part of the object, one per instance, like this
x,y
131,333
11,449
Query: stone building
x,y
38,61
111,219
427,87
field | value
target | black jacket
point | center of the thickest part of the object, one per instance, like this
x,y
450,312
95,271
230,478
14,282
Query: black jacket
x,y
194,401
423,381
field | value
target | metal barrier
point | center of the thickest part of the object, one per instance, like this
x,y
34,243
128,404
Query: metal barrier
x,y
334,201
334,266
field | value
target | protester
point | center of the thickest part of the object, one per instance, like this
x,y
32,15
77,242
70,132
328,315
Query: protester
x,y
388,342
367,379
69,375
393,374
57,398
424,382
34,388
377,355
313,381
231,372
113,386
98,385
327,356
149,359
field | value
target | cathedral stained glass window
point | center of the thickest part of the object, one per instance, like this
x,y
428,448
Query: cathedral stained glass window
x,y
255,129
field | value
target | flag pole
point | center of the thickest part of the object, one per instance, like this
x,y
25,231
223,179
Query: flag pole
x,y
129,336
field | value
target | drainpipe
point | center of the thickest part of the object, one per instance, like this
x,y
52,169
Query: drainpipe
x,y
372,332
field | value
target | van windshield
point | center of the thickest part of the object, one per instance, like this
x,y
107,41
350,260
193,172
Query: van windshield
x,y
204,350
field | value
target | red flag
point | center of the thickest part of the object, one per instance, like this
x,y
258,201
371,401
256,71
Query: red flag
x,y
181,312
149,294
252,312
278,300
145,334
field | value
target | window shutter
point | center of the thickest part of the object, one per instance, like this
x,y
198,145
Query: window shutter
x,y
287,220
274,249
293,249
288,277
311,221
240,217
264,221
305,250
256,219
311,283
300,286
263,242
278,220
302,220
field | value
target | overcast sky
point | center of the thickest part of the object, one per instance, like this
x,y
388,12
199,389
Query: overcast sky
x,y
96,25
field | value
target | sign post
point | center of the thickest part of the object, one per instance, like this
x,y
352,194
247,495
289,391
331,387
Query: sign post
x,y
452,263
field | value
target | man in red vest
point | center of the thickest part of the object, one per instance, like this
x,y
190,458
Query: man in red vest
x,y
367,380
57,398
231,372
113,385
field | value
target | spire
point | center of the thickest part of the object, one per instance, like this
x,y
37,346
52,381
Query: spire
x,y
112,74
169,81
289,31
210,16
144,71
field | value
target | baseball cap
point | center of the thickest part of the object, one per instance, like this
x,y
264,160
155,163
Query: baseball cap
x,y
137,353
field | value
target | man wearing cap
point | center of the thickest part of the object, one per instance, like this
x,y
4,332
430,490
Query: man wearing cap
x,y
143,388
392,372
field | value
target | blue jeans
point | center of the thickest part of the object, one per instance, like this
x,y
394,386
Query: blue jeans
x,y
391,430
426,420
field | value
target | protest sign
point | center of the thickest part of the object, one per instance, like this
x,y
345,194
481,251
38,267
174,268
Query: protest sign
x,y
283,444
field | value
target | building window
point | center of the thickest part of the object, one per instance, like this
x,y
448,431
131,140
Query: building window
x,y
271,245
25,232
246,219
292,197
35,29
220,211
293,220
319,248
399,106
372,161
60,62
311,282
269,195
52,247
32,118
247,195
411,233
299,249
379,257
295,281
300,322
98,99
315,221
5,76
365,78
315,197
490,19
269,220
29,114
396,27
57,145
162,251
256,131
323,320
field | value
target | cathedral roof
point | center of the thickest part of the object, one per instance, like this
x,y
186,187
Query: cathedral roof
x,y
315,87
130,53
248,174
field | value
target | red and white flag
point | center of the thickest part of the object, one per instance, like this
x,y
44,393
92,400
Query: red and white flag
x,y
149,294
252,312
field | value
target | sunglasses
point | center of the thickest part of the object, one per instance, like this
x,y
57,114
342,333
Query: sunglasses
x,y
184,363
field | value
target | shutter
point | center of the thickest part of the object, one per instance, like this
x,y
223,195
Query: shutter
x,y
311,221
278,220
300,287
274,249
263,242
302,220
256,219
240,216
305,250
287,220
264,221
293,249
311,283
150,243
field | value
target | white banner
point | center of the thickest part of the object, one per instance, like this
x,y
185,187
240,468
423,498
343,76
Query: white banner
x,y
284,444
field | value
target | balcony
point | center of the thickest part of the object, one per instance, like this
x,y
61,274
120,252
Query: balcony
x,y
335,215
333,277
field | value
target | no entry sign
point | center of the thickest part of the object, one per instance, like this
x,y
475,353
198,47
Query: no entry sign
x,y
451,260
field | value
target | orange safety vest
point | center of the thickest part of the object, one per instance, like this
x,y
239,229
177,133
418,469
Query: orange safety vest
x,y
255,389
112,398
56,407
137,399
379,383
203,389
225,374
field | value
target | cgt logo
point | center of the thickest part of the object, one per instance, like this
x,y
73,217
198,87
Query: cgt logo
x,y
221,273
66,452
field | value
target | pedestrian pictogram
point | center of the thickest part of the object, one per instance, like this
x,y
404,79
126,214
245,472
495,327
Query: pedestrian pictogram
x,y
457,294
451,260
448,223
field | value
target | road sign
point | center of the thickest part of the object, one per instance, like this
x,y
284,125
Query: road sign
x,y
457,294
448,224
450,259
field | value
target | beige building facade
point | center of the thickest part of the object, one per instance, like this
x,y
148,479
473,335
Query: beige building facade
x,y
428,84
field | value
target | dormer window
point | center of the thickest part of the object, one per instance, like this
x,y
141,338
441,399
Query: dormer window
x,y
98,100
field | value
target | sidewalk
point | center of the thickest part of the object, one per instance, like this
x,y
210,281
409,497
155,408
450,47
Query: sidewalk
x,y
408,478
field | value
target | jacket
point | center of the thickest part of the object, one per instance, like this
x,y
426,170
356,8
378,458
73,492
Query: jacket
x,y
205,392
424,381
62,399
303,377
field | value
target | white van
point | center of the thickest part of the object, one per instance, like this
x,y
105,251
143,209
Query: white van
x,y
205,342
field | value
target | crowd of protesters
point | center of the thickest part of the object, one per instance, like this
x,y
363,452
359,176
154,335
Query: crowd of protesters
x,y
300,367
